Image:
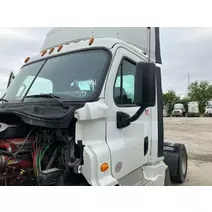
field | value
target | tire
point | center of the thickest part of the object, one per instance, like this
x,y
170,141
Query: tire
x,y
182,165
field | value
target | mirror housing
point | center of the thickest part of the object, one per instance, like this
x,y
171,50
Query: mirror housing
x,y
145,84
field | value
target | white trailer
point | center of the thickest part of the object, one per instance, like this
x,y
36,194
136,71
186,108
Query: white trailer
x,y
193,109
208,109
89,108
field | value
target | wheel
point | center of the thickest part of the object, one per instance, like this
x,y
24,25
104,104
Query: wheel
x,y
182,165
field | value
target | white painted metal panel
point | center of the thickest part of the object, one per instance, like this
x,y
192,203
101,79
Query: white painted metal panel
x,y
137,36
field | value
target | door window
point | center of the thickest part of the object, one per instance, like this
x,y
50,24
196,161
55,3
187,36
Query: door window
x,y
124,90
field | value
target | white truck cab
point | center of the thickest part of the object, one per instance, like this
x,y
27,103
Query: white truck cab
x,y
92,102
179,110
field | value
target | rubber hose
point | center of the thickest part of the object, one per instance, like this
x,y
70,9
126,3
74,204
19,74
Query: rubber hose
x,y
52,159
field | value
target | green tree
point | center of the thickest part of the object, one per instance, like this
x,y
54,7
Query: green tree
x,y
201,92
169,99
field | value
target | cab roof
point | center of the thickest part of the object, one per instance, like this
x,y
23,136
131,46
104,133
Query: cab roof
x,y
85,44
144,38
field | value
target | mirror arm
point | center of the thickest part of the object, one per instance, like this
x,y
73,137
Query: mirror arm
x,y
124,120
137,114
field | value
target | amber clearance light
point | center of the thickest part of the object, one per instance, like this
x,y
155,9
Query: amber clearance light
x,y
59,48
104,167
43,52
51,50
91,41
26,60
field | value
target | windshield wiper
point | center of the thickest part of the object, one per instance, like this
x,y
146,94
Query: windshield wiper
x,y
49,95
3,100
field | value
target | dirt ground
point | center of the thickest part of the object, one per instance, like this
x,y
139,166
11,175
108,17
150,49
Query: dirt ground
x,y
196,134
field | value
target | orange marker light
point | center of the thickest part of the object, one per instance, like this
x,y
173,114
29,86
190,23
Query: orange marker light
x,y
104,167
59,48
51,50
26,60
43,53
91,41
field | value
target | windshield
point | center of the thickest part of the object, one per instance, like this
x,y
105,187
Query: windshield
x,y
72,77
178,106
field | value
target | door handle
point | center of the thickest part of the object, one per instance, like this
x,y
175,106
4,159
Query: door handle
x,y
146,145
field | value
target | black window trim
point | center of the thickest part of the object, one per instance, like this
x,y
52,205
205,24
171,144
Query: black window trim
x,y
121,62
95,96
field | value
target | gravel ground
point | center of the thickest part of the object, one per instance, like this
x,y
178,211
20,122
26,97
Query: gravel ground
x,y
196,134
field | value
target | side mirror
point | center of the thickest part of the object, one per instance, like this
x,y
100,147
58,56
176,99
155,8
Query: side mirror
x,y
145,93
145,84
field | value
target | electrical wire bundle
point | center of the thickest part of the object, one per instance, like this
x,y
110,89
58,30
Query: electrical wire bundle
x,y
39,149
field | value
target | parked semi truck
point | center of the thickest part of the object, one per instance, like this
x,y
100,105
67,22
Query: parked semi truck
x,y
193,109
179,110
88,110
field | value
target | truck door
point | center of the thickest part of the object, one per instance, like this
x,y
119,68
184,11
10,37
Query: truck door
x,y
130,146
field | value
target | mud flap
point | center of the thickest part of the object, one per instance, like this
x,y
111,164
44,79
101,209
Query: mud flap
x,y
173,159
167,178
